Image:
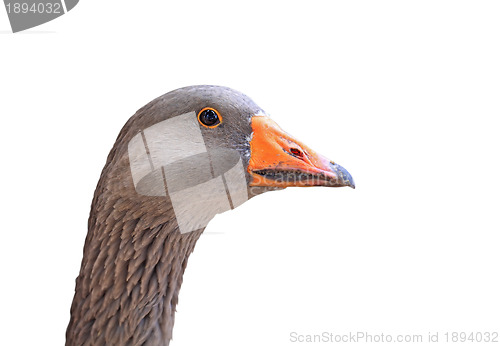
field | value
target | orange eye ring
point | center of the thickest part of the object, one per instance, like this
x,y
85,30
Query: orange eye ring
x,y
209,117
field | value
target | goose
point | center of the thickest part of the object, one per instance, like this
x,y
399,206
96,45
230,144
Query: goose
x,y
181,159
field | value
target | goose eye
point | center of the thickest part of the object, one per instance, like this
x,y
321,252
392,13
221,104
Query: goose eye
x,y
209,117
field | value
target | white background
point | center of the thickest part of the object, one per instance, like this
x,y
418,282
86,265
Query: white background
x,y
405,95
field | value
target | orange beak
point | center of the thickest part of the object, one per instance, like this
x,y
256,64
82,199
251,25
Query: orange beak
x,y
279,160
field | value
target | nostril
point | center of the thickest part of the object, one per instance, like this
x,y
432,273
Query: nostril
x,y
296,152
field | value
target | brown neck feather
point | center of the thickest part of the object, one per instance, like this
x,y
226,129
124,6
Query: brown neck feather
x,y
128,286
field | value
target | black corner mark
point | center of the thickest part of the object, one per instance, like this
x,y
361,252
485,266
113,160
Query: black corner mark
x,y
26,14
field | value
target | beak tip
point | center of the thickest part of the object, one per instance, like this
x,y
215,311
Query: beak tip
x,y
344,176
352,184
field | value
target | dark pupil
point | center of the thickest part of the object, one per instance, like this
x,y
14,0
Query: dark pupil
x,y
209,117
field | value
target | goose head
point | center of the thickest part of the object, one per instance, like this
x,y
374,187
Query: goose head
x,y
180,160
